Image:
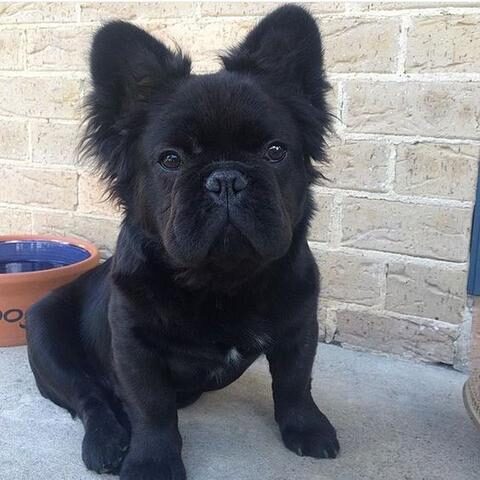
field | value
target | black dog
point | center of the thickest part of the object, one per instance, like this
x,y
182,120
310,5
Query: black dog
x,y
212,266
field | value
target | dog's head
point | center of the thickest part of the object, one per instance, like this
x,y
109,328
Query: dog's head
x,y
215,168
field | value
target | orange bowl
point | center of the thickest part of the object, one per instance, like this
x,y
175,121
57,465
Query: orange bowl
x,y
20,289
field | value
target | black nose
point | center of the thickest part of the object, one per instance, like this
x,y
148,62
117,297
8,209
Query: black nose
x,y
229,182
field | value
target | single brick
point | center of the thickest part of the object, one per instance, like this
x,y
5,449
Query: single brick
x,y
431,291
39,97
55,142
12,47
442,109
349,278
437,170
421,230
13,139
51,188
447,43
358,44
358,165
409,5
409,337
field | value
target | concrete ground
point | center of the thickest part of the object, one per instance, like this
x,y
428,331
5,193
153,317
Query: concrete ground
x,y
396,421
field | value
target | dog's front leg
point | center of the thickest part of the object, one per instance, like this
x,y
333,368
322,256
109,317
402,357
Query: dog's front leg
x,y
155,448
305,429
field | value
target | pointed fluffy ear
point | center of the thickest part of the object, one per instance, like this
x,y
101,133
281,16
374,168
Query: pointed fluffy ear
x,y
285,47
284,52
129,68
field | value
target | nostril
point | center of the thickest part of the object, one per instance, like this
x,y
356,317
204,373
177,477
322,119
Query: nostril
x,y
239,183
213,183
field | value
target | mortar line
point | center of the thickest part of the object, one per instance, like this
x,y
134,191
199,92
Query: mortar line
x,y
353,13
423,77
391,168
78,11
430,77
405,25
402,138
37,208
47,167
427,11
29,141
460,265
397,198
337,218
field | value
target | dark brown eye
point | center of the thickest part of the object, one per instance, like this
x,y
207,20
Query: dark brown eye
x,y
276,152
170,160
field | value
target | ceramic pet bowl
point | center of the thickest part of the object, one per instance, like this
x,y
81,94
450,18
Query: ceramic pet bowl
x,y
30,267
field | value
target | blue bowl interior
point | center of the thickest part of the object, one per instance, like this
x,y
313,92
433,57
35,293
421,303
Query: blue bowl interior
x,y
17,256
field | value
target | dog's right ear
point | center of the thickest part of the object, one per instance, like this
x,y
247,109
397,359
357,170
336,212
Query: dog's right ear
x,y
128,66
129,69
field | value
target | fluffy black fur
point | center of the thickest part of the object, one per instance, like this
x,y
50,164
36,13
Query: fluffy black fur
x,y
212,267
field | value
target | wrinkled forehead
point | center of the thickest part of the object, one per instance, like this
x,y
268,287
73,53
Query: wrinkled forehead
x,y
222,111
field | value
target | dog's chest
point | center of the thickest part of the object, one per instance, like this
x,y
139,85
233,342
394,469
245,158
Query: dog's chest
x,y
213,341
214,365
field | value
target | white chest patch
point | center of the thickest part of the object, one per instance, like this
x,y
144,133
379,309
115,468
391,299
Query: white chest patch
x,y
233,356
232,359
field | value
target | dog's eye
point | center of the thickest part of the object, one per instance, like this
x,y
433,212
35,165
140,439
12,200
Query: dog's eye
x,y
170,160
276,152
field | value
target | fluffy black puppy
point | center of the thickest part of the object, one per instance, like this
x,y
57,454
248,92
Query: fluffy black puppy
x,y
212,266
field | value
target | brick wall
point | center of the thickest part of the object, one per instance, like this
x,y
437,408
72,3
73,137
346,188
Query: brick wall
x,y
393,224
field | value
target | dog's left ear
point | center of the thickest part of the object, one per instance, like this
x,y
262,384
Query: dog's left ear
x,y
284,52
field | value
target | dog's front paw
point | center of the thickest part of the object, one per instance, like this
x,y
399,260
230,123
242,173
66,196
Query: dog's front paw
x,y
312,442
307,431
162,469
104,446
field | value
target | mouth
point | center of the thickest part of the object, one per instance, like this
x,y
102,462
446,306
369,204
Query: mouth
x,y
230,246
